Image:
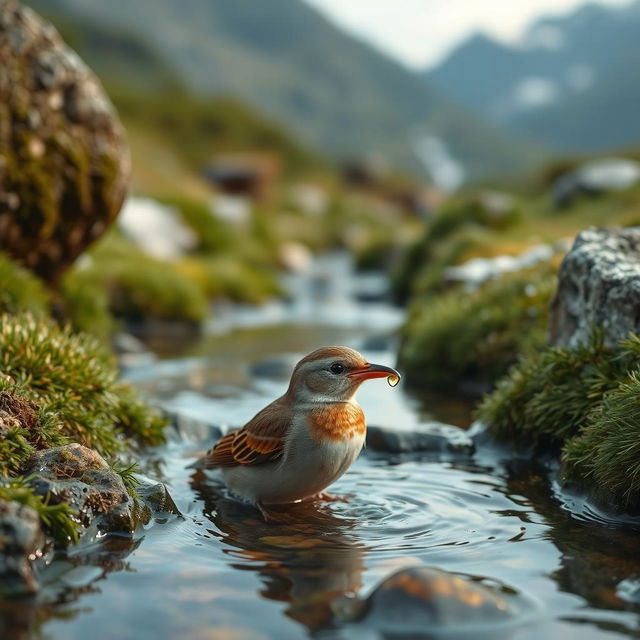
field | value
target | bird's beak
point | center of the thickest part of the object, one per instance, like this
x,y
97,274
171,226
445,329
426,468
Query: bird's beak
x,y
376,371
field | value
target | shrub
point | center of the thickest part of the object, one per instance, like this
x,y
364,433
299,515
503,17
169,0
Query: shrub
x,y
461,336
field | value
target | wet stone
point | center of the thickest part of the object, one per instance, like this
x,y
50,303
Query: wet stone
x,y
434,437
80,477
435,601
21,540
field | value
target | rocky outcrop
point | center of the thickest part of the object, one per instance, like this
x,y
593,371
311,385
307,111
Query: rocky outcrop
x,y
21,539
81,478
598,286
64,164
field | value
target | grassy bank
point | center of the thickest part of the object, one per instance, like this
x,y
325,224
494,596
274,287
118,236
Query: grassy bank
x,y
583,403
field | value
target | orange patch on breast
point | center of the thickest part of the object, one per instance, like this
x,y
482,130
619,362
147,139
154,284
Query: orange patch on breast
x,y
335,422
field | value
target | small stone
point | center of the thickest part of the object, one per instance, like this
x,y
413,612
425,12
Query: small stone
x,y
81,477
21,540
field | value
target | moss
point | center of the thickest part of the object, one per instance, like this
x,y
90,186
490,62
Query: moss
x,y
73,382
583,402
464,222
228,278
475,337
85,303
66,188
20,290
57,519
135,286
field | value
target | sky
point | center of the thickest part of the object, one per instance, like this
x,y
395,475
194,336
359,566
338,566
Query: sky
x,y
421,32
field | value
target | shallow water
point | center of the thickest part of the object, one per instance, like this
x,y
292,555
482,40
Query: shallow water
x,y
220,572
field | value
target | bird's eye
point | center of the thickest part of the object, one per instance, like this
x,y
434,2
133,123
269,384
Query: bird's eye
x,y
336,367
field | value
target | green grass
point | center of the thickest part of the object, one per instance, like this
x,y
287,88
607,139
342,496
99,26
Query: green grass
x,y
56,519
72,386
475,337
583,402
20,290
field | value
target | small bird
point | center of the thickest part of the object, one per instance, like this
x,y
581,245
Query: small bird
x,y
305,440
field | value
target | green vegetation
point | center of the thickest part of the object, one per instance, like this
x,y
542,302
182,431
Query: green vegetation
x,y
85,304
57,519
58,387
463,225
460,337
20,290
583,401
70,384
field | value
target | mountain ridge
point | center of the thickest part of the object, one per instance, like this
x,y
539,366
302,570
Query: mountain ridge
x,y
338,93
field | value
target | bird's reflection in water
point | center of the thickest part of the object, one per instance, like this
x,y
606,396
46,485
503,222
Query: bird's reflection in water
x,y
309,558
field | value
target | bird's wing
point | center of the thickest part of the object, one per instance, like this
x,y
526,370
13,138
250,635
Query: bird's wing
x,y
260,440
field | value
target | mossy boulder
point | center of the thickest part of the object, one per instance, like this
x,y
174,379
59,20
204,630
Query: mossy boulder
x,y
64,163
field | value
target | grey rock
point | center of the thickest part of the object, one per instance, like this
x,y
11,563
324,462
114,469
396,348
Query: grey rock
x,y
598,285
596,177
80,477
435,437
21,541
64,162
423,601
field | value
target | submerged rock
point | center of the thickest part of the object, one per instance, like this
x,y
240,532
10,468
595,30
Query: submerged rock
x,y
80,477
435,437
423,600
598,285
21,539
64,164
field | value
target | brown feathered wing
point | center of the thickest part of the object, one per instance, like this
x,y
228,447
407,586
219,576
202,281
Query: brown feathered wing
x,y
260,440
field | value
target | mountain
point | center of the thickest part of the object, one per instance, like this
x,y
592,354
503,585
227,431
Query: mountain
x,y
285,59
572,82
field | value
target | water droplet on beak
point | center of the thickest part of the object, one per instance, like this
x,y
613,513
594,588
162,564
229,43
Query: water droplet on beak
x,y
393,380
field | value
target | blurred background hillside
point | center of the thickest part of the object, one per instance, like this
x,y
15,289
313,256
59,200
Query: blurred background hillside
x,y
416,137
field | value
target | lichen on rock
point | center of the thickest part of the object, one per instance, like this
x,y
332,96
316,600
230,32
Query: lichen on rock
x,y
64,163
81,478
598,285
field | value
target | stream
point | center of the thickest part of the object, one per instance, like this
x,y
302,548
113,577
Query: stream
x,y
218,571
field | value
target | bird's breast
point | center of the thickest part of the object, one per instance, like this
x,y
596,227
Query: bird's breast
x,y
337,422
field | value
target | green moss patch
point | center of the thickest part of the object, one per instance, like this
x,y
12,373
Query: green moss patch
x,y
585,402
20,290
475,337
71,384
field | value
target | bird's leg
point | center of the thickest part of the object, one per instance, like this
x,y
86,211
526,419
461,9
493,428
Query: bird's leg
x,y
265,514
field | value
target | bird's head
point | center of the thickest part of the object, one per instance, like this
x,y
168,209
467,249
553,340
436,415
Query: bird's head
x,y
333,374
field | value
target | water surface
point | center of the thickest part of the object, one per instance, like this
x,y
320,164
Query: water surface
x,y
220,572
